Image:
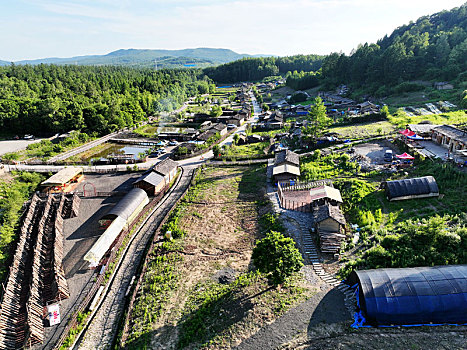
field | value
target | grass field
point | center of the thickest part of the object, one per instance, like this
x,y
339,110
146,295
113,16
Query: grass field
x,y
364,130
181,303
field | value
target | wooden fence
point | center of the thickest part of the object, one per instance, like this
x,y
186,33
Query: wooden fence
x,y
298,186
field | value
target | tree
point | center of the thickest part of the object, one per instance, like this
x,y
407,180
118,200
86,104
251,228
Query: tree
x,y
277,257
216,150
384,111
317,119
216,111
236,137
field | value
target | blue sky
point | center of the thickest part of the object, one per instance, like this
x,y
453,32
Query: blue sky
x,y
48,28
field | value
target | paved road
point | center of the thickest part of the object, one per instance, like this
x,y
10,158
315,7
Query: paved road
x,y
15,145
242,128
102,328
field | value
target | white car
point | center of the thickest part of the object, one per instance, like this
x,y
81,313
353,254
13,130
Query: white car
x,y
231,126
28,137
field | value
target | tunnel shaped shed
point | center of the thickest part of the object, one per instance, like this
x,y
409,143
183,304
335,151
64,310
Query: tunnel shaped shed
x,y
413,296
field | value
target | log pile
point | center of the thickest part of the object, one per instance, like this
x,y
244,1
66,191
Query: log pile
x,y
71,207
12,320
36,275
61,290
330,242
34,308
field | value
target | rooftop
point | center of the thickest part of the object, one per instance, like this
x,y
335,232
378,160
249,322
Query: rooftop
x,y
165,167
452,132
287,156
325,192
329,211
62,177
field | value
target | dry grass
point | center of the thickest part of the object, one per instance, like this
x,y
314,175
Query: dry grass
x,y
221,225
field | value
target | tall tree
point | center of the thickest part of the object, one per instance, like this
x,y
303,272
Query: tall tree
x,y
318,120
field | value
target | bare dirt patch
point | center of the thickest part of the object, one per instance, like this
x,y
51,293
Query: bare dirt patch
x,y
221,221
374,151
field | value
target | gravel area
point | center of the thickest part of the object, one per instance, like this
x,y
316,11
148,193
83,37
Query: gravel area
x,y
375,150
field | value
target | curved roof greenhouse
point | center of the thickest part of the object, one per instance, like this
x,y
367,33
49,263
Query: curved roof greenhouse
x,y
413,296
418,187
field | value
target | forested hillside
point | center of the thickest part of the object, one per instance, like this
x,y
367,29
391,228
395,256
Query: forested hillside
x,y
145,58
432,48
259,68
49,98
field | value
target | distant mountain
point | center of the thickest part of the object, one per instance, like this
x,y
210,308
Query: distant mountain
x,y
4,63
200,57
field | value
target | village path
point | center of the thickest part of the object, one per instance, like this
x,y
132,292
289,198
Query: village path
x,y
332,303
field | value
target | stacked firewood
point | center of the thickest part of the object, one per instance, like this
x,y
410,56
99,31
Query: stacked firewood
x,y
36,276
61,286
330,242
10,315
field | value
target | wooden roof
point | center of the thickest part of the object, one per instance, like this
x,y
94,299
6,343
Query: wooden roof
x,y
287,156
329,211
165,167
62,177
325,192
452,132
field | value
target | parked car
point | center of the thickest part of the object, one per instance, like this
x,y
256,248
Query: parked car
x,y
161,151
173,143
231,126
388,156
28,137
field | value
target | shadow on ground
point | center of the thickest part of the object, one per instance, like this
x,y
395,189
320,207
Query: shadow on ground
x,y
331,309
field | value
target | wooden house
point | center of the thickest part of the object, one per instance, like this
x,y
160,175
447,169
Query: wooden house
x,y
330,226
450,137
151,182
167,168
286,166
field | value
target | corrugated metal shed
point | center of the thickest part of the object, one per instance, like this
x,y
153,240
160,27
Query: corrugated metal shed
x,y
151,178
412,296
418,187
127,206
97,251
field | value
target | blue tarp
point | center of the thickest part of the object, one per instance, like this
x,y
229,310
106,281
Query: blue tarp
x,y
412,296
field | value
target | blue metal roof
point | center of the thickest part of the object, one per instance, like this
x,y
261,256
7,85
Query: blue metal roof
x,y
412,296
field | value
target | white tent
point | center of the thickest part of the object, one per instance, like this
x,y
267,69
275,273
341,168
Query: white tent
x,y
97,251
